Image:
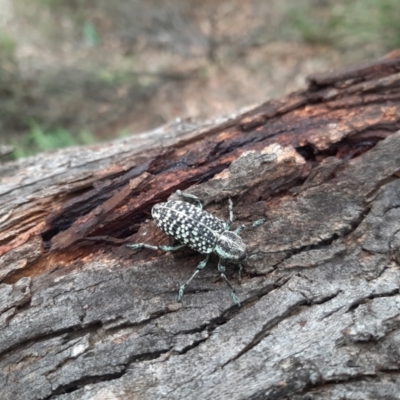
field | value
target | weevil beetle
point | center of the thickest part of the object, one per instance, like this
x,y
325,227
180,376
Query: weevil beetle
x,y
196,228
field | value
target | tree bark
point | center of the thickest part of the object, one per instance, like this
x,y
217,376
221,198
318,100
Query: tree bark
x,y
84,317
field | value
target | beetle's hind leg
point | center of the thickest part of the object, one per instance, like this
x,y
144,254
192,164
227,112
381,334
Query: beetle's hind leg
x,y
198,269
140,246
221,270
198,202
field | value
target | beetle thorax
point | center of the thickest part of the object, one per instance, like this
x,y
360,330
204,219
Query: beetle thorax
x,y
230,247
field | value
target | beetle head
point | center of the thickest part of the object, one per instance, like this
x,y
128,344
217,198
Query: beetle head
x,y
230,247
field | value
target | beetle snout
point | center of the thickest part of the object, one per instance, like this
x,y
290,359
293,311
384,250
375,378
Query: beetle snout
x,y
243,256
230,247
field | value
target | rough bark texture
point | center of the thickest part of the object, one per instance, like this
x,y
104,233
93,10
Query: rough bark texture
x,y
83,317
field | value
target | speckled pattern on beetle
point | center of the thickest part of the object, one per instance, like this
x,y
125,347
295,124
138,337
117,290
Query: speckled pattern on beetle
x,y
193,227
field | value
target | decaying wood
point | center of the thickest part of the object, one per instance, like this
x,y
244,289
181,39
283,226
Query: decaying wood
x,y
83,317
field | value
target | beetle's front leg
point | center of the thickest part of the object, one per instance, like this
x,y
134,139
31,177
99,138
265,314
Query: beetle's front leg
x,y
198,269
255,224
221,270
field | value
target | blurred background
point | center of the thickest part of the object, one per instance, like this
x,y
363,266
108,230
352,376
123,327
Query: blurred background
x,y
82,71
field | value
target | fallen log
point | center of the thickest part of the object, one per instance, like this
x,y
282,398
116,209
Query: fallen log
x,y
84,317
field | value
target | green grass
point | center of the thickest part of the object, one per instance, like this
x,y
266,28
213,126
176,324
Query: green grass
x,y
90,34
348,23
7,47
38,140
316,25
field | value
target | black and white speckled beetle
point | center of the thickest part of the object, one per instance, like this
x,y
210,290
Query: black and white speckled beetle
x,y
193,227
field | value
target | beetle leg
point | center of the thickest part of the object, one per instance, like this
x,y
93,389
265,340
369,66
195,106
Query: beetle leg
x,y
258,223
255,224
198,269
240,272
239,229
191,197
229,222
172,248
140,246
221,270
